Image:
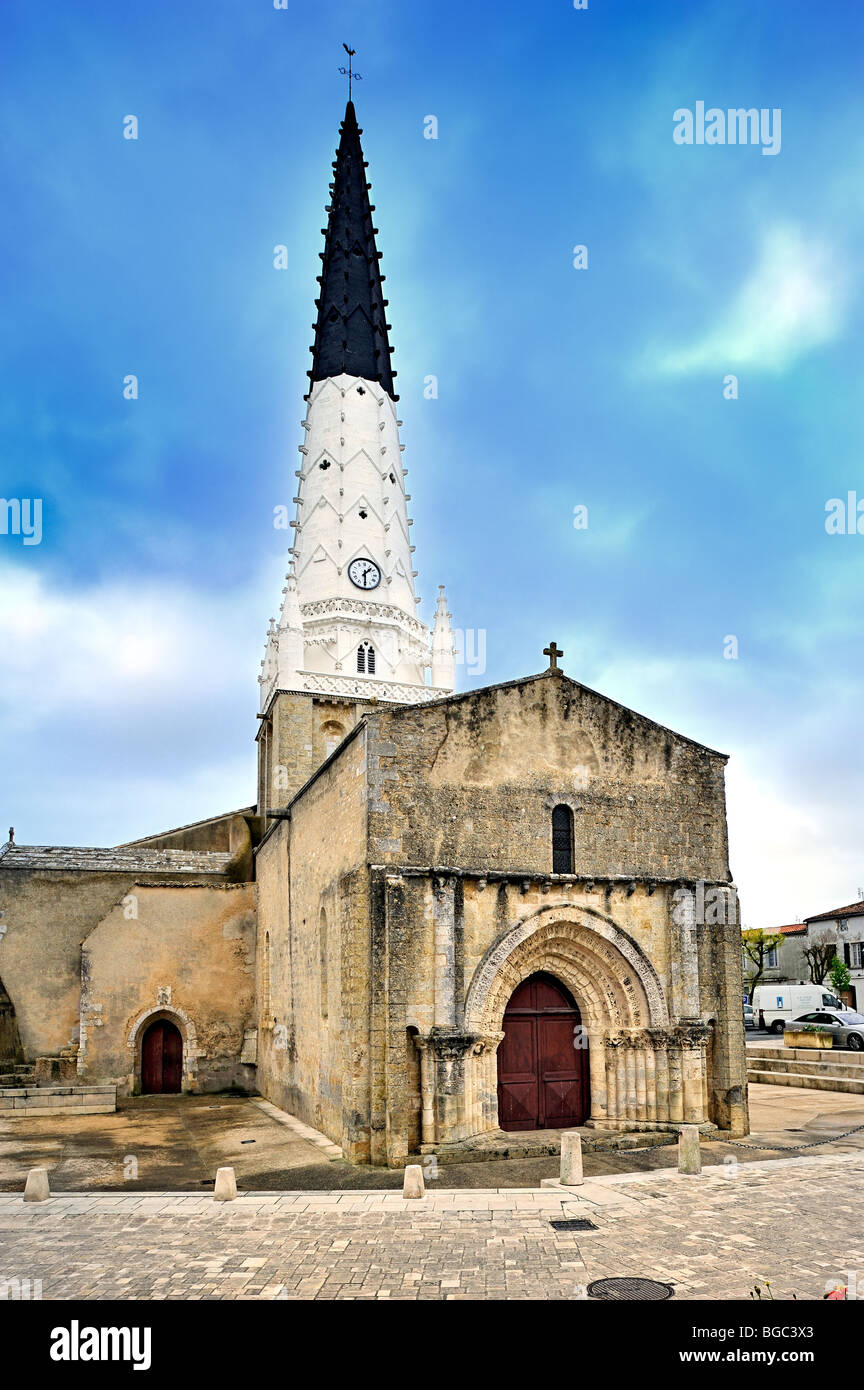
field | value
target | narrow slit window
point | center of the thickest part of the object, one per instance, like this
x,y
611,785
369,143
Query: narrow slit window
x,y
366,659
562,840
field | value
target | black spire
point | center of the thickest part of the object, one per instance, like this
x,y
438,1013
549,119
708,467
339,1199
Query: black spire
x,y
351,332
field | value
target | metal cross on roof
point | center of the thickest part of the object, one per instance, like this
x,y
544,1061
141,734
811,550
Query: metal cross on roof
x,y
349,72
553,652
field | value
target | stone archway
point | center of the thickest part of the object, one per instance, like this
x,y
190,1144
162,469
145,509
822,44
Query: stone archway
x,y
186,1028
644,1074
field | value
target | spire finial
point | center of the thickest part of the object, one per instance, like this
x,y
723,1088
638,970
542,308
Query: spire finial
x,y
349,72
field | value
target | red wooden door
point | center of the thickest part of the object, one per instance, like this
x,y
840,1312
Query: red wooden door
x,y
161,1059
542,1074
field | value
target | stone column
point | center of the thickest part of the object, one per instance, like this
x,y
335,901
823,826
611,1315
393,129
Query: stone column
x,y
676,1095
661,1070
445,952
610,1062
621,1081
483,1085
630,1063
597,1074
692,1037
448,1092
650,1078
427,1090
641,1088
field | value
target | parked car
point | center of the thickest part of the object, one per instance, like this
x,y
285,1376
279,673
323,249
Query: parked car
x,y
750,1020
845,1026
776,1005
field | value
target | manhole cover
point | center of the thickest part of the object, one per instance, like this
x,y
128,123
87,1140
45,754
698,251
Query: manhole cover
x,y
577,1223
619,1290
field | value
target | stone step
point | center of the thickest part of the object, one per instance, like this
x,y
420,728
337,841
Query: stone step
x,y
814,1068
21,1101
808,1080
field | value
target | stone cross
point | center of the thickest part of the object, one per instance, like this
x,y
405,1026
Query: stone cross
x,y
553,652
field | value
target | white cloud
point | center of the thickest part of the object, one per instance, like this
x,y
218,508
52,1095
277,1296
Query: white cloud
x,y
126,707
794,299
145,644
788,857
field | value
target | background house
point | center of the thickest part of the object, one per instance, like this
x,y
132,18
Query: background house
x,y
844,926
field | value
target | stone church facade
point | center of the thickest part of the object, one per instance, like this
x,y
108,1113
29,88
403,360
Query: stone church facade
x,y
447,913
393,944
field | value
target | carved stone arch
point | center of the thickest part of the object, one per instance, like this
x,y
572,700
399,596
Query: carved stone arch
x,y
604,1004
590,947
186,1028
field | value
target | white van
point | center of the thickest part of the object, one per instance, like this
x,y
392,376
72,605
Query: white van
x,y
776,1005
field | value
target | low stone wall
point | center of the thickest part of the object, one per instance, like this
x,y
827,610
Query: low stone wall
x,y
823,1069
57,1100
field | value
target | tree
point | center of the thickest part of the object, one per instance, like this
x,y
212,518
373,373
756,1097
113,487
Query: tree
x,y
840,975
819,955
757,944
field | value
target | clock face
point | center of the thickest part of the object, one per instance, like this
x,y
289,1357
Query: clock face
x,y
364,573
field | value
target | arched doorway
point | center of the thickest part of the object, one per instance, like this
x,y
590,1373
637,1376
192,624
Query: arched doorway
x,y
161,1059
543,1059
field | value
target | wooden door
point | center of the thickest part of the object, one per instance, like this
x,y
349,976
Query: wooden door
x,y
161,1059
542,1073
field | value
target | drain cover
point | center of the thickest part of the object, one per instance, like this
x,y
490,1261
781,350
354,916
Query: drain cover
x,y
576,1223
619,1290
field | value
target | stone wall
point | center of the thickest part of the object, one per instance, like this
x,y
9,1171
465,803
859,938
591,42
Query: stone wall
x,y
313,959
52,899
478,775
456,805
298,734
182,953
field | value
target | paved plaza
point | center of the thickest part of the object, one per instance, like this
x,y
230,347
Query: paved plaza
x,y
176,1143
307,1225
795,1222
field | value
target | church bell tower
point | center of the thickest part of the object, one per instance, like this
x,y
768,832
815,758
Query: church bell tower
x,y
348,634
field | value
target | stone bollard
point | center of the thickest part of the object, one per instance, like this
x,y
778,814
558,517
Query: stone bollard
x,y
689,1157
225,1187
36,1188
413,1184
571,1158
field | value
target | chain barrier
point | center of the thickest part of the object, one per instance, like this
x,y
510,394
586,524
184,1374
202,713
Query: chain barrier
x,y
739,1144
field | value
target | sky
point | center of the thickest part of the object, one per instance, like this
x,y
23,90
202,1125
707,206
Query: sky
x,y
705,590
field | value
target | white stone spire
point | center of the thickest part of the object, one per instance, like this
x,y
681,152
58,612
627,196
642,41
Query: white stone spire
x,y
349,624
443,650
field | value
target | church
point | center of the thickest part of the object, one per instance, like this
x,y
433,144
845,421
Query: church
x,y
447,916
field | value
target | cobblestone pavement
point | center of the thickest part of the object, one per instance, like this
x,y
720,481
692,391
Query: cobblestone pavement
x,y
797,1222
176,1143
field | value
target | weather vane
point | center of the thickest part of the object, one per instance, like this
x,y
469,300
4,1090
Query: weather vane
x,y
348,72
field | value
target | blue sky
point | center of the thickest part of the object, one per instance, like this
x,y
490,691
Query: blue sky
x,y
131,636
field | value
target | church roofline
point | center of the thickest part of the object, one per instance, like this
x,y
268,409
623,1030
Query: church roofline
x,y
144,840
111,859
560,675
394,709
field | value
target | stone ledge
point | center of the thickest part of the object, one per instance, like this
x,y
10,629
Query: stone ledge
x,y
498,1143
807,1080
58,1100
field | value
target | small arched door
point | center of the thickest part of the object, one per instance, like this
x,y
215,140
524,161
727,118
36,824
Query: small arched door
x,y
542,1059
161,1059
